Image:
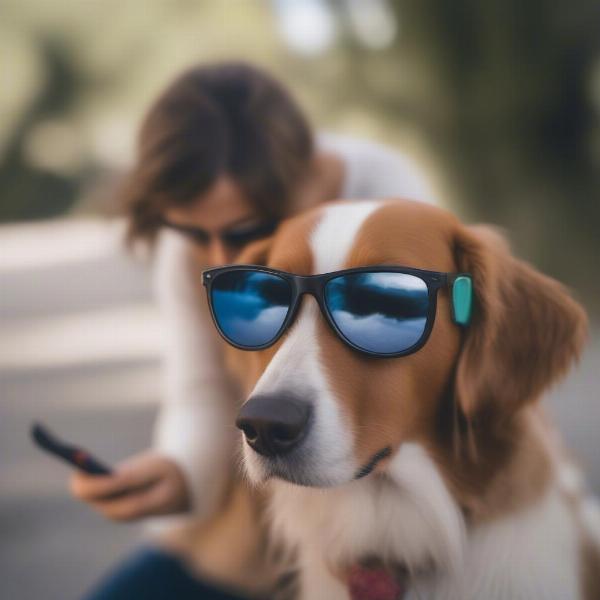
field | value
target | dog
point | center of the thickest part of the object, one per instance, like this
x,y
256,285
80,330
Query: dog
x,y
434,475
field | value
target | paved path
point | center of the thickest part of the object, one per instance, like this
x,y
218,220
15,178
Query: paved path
x,y
78,350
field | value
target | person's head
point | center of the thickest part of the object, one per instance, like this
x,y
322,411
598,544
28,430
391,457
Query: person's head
x,y
220,156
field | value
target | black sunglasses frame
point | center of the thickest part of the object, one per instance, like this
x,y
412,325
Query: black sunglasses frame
x,y
314,285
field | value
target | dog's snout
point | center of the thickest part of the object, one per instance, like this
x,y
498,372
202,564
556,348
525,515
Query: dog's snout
x,y
274,424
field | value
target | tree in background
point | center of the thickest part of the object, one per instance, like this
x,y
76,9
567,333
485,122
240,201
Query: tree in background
x,y
25,189
502,92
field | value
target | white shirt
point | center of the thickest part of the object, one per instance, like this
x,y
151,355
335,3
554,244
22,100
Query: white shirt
x,y
195,421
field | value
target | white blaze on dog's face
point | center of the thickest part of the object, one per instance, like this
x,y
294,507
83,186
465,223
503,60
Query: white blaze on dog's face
x,y
360,407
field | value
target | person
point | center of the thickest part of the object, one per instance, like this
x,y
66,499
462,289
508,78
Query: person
x,y
223,155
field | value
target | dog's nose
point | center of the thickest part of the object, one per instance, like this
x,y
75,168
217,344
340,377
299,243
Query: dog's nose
x,y
274,424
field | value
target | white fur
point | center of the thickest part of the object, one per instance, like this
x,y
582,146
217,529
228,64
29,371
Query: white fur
x,y
439,528
530,554
409,518
533,554
334,235
326,453
571,482
352,521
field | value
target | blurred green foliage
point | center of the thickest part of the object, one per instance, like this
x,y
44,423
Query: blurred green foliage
x,y
506,95
500,99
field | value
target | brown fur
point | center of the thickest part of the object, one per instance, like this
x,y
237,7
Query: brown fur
x,y
526,333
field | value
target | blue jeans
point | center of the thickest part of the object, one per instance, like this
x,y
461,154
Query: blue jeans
x,y
153,574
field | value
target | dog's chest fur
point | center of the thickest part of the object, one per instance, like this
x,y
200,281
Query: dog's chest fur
x,y
409,518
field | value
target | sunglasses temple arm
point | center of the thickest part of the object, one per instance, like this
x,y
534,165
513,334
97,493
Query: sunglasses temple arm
x,y
460,286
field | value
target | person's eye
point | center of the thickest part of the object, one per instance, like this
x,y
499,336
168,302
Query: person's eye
x,y
243,237
198,236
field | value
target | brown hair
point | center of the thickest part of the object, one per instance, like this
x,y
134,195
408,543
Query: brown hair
x,y
226,118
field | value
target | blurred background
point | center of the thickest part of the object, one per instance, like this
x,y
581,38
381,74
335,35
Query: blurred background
x,y
498,100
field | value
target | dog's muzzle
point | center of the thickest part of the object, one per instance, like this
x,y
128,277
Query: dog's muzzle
x,y
274,424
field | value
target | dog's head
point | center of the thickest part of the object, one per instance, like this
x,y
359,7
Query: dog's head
x,y
352,411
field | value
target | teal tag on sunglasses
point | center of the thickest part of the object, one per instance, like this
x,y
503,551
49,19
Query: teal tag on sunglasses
x,y
462,300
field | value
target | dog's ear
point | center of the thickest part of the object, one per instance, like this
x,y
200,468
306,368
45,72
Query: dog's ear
x,y
525,329
256,253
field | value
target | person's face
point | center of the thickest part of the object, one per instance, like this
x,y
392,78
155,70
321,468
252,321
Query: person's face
x,y
221,221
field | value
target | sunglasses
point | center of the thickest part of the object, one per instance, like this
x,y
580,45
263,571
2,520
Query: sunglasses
x,y
236,238
383,311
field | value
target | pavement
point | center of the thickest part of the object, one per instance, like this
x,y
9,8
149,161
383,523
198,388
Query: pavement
x,y
79,347
78,351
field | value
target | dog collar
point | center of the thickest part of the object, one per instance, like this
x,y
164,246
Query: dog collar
x,y
374,583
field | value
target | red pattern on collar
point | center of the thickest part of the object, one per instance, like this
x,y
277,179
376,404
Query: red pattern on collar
x,y
366,583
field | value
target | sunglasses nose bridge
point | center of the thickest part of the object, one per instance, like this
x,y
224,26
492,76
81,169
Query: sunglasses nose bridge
x,y
310,285
306,284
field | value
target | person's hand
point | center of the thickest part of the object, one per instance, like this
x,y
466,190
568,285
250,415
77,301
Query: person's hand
x,y
144,485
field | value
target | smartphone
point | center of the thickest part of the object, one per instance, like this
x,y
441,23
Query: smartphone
x,y
78,457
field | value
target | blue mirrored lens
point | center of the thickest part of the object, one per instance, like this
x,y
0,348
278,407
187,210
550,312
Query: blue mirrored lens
x,y
250,306
384,313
